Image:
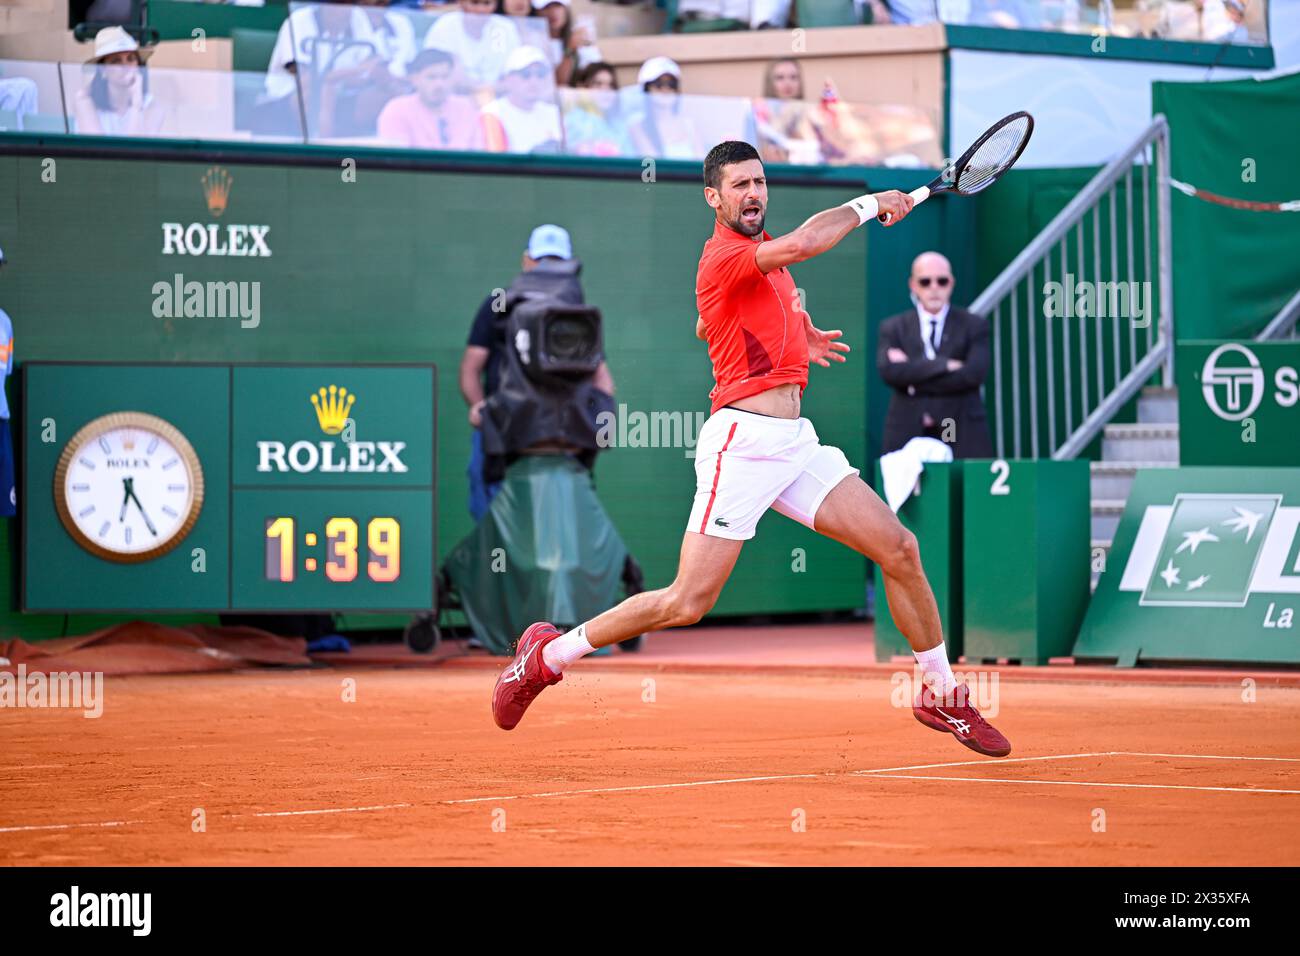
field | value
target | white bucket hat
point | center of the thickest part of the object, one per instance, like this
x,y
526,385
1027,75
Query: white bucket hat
x,y
112,40
656,67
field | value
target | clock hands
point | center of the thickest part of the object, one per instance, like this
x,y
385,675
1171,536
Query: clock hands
x,y
130,492
126,497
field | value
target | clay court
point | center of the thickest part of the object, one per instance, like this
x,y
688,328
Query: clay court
x,y
747,727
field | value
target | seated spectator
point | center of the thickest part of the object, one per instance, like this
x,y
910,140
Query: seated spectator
x,y
784,121
593,121
525,119
480,40
572,45
116,101
349,59
391,34
910,12
661,130
18,96
433,117
1210,21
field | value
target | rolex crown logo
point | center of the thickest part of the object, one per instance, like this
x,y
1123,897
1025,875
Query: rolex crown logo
x,y
332,408
128,443
216,189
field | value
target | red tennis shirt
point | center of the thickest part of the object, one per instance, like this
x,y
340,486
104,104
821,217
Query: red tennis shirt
x,y
752,321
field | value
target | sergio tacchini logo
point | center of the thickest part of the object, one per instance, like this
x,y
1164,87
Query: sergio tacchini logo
x,y
1243,385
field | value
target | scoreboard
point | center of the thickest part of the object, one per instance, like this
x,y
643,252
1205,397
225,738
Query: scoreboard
x,y
194,487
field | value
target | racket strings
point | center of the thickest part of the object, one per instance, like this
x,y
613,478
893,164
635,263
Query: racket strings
x,y
993,156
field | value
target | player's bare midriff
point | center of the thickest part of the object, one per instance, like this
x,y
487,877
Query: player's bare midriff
x,y
779,401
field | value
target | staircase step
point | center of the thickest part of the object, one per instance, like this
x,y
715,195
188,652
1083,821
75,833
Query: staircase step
x,y
1158,409
1114,479
1140,442
1106,513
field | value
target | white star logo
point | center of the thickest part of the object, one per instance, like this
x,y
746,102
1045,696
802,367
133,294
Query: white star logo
x,y
1194,539
1245,519
1170,574
1198,582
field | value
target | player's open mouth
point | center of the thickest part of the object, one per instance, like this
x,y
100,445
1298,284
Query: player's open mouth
x,y
751,213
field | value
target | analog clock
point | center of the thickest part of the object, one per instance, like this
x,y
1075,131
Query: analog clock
x,y
128,487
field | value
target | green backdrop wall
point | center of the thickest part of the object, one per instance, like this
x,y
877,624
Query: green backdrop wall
x,y
1234,268
391,264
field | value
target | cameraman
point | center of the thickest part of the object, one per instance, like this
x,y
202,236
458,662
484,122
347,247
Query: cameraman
x,y
548,266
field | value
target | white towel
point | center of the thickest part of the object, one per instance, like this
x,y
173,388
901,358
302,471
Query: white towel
x,y
901,470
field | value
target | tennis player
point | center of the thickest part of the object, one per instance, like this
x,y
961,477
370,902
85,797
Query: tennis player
x,y
755,452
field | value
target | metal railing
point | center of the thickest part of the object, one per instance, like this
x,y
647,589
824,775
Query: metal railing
x,y
1082,357
1283,325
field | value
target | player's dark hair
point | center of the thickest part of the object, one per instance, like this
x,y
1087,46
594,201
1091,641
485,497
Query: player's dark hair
x,y
726,153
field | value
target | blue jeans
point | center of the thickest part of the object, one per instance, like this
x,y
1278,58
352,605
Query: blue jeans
x,y
481,493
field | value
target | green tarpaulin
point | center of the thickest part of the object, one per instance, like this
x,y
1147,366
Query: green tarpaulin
x,y
545,551
1234,269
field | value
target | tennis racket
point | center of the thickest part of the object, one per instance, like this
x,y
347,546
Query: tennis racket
x,y
983,164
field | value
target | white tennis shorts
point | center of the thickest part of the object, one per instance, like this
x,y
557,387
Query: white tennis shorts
x,y
746,463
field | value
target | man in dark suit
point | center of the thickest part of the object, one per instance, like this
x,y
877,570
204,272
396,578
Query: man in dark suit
x,y
935,357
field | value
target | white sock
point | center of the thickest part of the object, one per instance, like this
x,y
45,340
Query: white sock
x,y
935,669
566,649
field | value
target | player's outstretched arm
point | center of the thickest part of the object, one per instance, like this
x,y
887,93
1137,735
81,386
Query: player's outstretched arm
x,y
824,230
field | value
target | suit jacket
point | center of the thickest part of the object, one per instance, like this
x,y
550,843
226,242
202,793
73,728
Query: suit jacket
x,y
925,386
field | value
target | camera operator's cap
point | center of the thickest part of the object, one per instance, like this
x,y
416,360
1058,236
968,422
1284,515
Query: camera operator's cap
x,y
522,57
112,40
550,240
656,67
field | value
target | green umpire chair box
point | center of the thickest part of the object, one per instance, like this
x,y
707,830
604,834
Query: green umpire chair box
x,y
1026,558
935,517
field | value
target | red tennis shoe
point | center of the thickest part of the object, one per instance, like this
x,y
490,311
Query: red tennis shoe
x,y
954,714
525,678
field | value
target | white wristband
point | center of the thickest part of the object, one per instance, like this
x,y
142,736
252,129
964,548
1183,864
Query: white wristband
x,y
866,207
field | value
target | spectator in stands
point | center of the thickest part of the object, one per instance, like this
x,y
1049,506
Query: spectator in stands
x,y
312,42
353,93
935,358
117,101
516,8
572,45
593,120
480,39
548,265
905,12
18,96
661,130
525,119
786,132
433,117
1210,21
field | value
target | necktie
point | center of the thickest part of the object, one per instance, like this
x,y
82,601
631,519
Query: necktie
x,y
934,333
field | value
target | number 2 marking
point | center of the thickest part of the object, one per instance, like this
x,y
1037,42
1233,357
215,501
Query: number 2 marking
x,y
1003,471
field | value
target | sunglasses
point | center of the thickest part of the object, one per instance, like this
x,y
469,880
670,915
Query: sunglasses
x,y
664,83
940,281
535,73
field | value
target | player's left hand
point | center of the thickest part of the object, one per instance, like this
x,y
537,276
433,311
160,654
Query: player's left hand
x,y
822,347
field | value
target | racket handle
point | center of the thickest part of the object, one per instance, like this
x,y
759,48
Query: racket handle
x,y
920,194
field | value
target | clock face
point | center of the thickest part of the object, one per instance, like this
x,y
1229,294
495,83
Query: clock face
x,y
128,487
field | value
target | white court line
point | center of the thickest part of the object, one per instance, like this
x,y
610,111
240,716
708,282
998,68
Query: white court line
x,y
649,786
985,762
1134,753
1086,783
68,826
308,813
